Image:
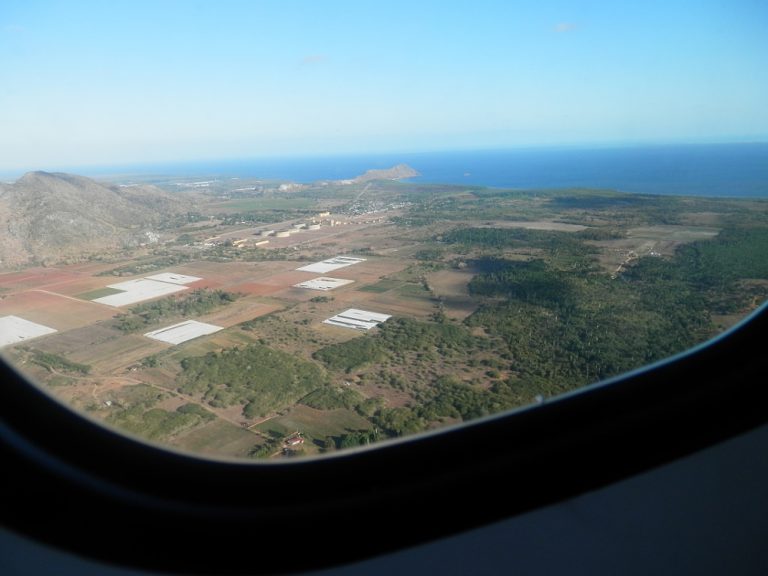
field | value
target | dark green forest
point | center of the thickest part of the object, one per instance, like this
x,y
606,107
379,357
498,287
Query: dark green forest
x,y
556,322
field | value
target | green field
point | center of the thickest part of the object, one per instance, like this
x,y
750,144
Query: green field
x,y
220,438
98,293
382,285
315,423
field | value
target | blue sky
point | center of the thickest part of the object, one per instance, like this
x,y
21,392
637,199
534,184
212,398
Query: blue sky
x,y
94,82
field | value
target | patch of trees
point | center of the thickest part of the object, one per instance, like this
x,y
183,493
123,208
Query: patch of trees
x,y
321,299
394,338
500,193
600,327
253,323
399,421
565,248
259,378
196,303
506,237
351,439
406,334
56,363
413,221
450,398
736,253
265,450
452,205
627,208
150,265
528,281
609,327
601,201
156,423
191,408
349,355
332,398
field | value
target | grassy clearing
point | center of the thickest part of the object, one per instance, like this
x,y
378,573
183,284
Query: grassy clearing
x,y
220,438
98,293
413,291
381,286
315,423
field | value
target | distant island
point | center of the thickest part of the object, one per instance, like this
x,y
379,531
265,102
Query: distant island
x,y
398,172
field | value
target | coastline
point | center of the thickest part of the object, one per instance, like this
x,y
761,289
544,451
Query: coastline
x,y
726,170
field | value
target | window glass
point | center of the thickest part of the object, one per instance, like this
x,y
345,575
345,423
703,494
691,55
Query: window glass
x,y
279,229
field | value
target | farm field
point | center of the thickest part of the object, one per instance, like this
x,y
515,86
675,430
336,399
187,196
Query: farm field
x,y
60,311
449,304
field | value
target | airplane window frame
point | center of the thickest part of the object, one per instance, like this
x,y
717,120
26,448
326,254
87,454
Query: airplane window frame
x,y
69,481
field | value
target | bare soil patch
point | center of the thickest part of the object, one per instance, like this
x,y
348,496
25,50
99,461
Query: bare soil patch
x,y
205,284
673,233
240,311
54,310
34,278
288,279
452,287
535,225
255,289
392,398
701,218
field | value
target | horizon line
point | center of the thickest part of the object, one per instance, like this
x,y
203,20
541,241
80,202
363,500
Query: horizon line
x,y
132,167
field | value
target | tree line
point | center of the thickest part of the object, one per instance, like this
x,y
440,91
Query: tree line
x,y
196,303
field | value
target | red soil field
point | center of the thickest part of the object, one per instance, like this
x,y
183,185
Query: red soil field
x,y
35,278
287,279
204,283
54,310
252,288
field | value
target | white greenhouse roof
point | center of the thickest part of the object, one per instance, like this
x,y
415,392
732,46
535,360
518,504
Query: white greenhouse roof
x,y
134,291
183,331
357,319
173,278
331,264
323,283
14,330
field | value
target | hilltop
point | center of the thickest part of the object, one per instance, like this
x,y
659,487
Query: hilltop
x,y
50,217
395,173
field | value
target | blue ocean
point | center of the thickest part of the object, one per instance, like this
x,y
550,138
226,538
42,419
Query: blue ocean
x,y
729,170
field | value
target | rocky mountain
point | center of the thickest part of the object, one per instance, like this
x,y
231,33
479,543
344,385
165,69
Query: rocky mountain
x,y
395,173
50,217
